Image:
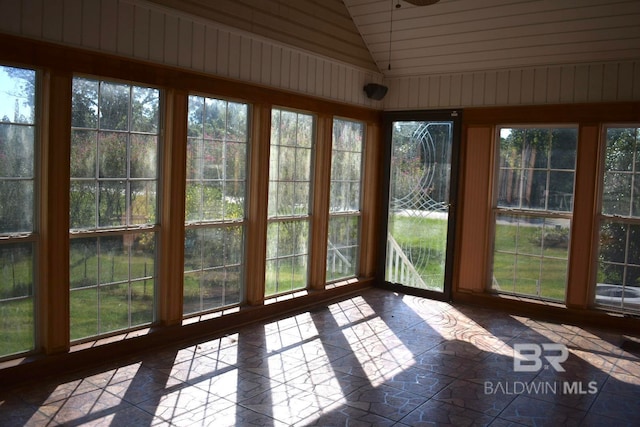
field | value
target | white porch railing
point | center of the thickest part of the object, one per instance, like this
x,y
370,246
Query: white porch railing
x,y
337,262
399,267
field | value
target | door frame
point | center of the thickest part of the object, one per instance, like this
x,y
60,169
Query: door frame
x,y
454,116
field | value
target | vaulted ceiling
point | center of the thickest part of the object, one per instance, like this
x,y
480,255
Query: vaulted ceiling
x,y
319,26
471,35
399,39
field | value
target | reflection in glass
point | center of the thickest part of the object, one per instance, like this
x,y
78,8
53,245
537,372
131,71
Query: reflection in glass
x,y
531,255
115,123
289,196
342,247
83,154
343,242
112,281
535,190
536,168
16,213
213,267
215,166
618,277
214,204
619,265
18,242
16,150
287,255
113,188
16,298
419,203
113,106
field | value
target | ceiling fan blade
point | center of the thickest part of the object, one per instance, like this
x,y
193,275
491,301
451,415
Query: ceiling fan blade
x,y
422,2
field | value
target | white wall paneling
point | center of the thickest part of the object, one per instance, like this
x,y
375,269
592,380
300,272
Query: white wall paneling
x,y
151,32
461,36
599,82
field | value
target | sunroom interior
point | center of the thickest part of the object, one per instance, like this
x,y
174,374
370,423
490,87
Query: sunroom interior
x,y
172,170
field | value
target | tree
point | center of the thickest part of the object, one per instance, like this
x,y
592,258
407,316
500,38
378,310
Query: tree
x,y
536,168
620,240
17,141
114,140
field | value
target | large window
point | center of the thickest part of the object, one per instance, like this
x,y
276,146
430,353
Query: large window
x,y
344,202
534,204
289,205
113,206
18,222
618,278
215,203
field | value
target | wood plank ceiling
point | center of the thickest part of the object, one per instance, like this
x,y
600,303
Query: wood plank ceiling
x,y
452,36
320,26
456,36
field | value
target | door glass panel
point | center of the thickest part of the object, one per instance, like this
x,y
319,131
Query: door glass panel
x,y
419,191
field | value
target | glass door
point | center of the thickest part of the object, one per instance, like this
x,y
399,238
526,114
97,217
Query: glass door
x,y
420,194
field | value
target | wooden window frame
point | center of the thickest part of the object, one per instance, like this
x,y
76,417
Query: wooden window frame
x,y
57,66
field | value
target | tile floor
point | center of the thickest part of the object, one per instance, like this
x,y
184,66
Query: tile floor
x,y
376,359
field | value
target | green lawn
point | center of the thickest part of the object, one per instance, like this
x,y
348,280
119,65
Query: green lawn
x,y
522,266
424,242
285,275
16,299
17,327
211,289
105,309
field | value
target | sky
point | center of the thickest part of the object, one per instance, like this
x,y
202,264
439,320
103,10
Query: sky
x,y
8,90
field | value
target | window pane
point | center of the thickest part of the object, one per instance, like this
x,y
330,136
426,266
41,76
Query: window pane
x,y
346,174
531,255
114,172
618,278
616,197
213,268
619,265
113,107
16,150
17,207
83,154
16,298
17,145
142,202
346,159
536,168
560,191
120,148
112,283
287,254
16,210
18,89
83,204
290,171
144,111
342,247
216,166
112,154
112,204
536,172
83,263
144,156
621,149
215,192
84,110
